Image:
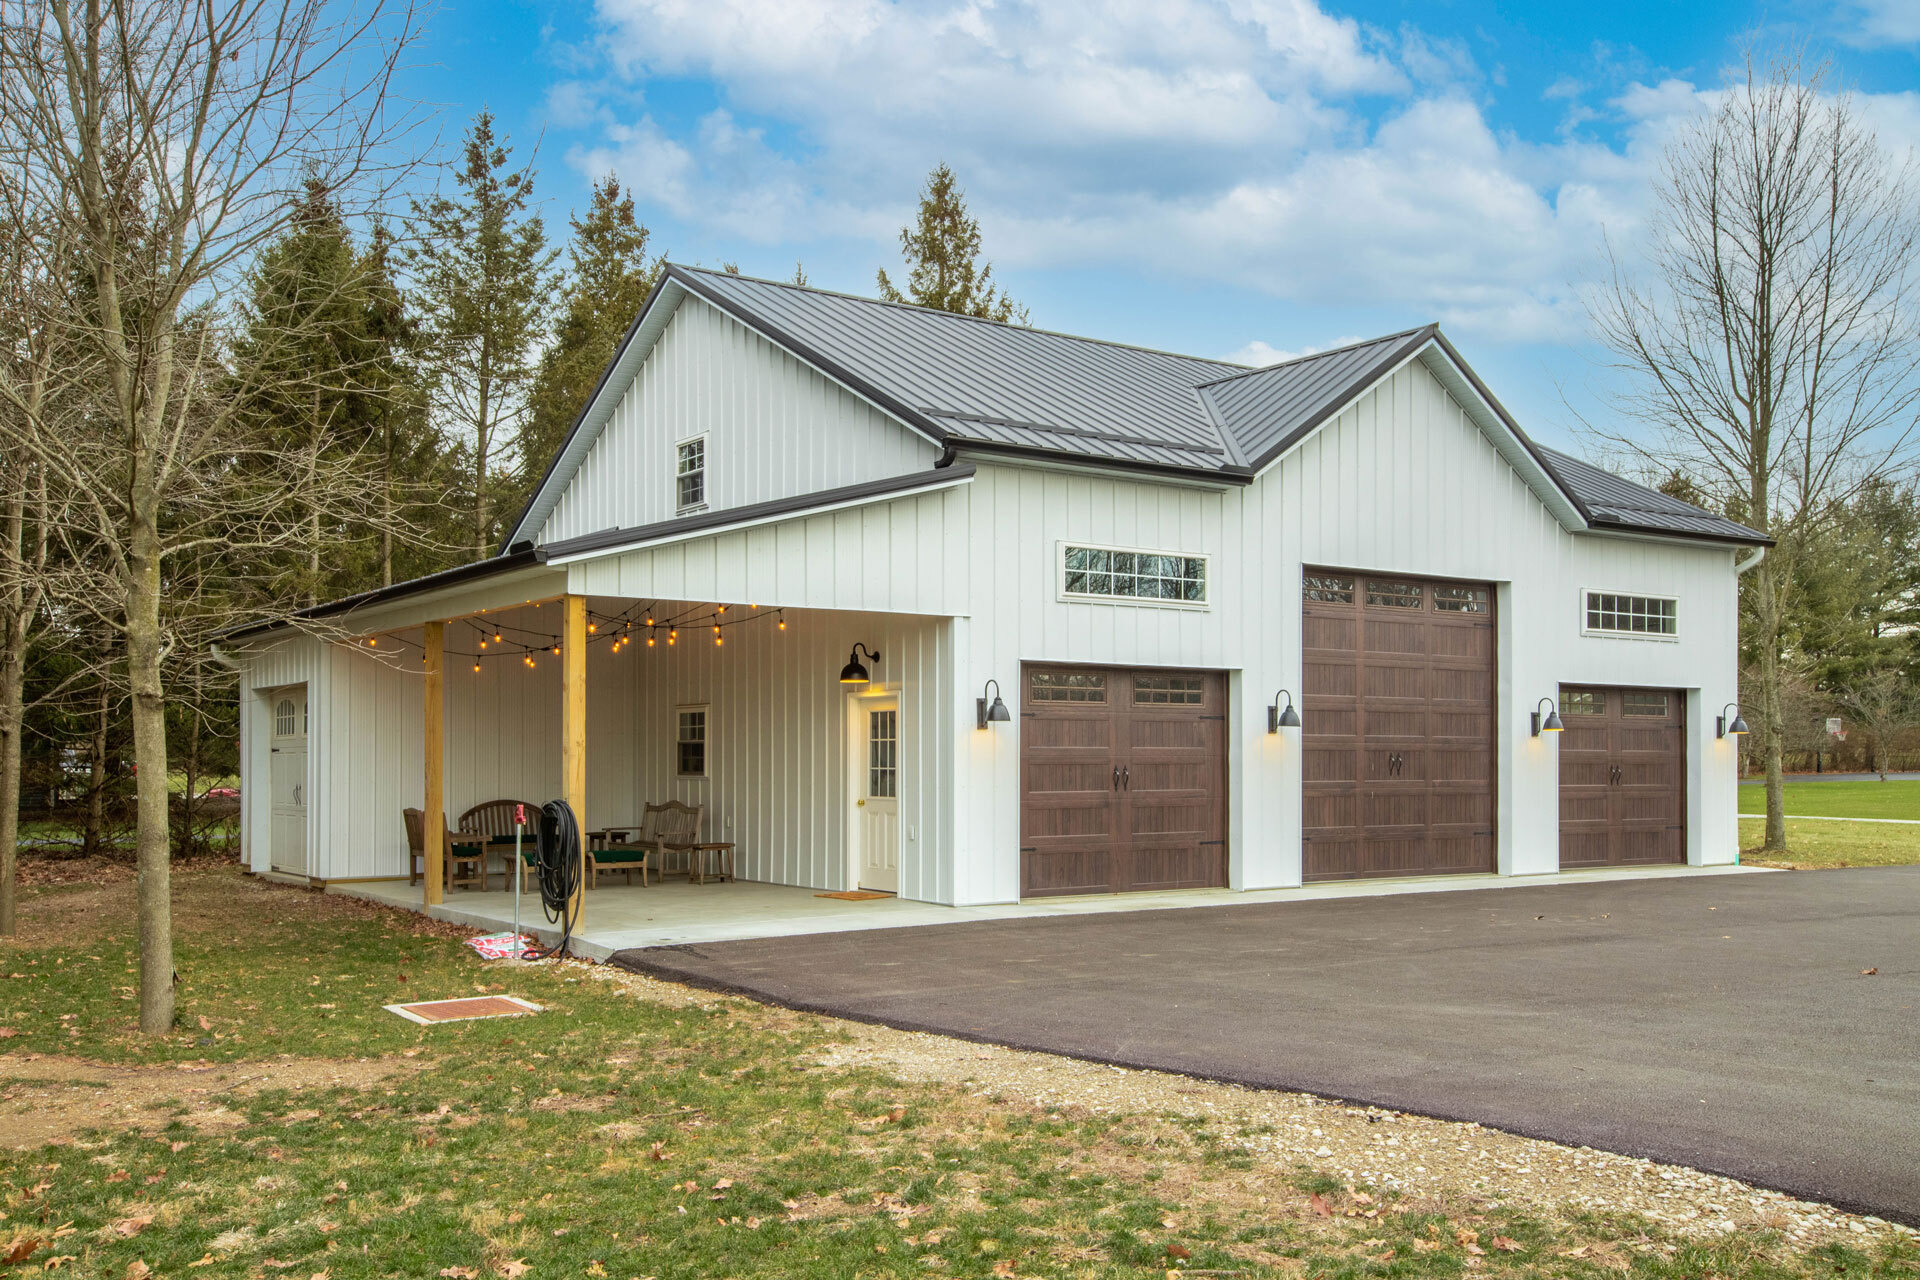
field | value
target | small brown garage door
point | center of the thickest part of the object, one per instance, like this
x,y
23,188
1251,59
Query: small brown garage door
x,y
1623,770
1396,726
1123,780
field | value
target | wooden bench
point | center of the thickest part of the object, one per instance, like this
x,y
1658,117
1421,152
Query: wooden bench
x,y
662,826
492,821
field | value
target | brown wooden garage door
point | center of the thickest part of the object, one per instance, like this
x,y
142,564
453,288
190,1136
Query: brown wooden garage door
x,y
1623,772
1123,780
1396,726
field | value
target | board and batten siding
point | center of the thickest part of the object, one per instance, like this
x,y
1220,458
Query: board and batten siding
x,y
295,660
774,428
1402,481
779,720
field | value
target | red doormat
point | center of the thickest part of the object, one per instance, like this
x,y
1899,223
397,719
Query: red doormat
x,y
431,1011
854,895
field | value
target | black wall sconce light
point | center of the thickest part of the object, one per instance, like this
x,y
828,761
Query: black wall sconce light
x,y
1737,726
855,672
1279,718
996,713
1552,723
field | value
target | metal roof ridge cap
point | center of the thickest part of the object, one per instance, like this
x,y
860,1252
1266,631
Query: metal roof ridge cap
x,y
1000,325
1356,387
1318,355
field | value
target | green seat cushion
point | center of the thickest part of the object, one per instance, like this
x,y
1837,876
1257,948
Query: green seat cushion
x,y
621,853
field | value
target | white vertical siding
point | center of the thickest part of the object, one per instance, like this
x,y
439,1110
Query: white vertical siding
x,y
1401,482
774,428
778,784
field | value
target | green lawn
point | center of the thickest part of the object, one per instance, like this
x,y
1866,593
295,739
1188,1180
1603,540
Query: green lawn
x,y
1894,799
621,1134
1818,845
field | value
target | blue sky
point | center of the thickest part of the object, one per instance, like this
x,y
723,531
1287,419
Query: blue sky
x,y
1241,178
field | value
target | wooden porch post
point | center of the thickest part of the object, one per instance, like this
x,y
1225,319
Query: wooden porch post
x,y
434,810
573,726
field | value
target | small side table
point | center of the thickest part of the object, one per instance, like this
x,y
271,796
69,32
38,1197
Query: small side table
x,y
708,860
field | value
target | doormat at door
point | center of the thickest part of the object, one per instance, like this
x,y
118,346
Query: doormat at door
x,y
854,895
432,1011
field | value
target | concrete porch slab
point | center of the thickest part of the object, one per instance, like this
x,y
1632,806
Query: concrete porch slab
x,y
674,912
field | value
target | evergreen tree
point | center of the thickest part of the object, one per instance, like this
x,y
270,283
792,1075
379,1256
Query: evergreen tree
x,y
942,251
483,275
608,279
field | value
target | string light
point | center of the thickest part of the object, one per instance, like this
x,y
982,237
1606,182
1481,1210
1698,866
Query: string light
x,y
783,621
649,642
373,641
496,637
718,640
723,608
476,666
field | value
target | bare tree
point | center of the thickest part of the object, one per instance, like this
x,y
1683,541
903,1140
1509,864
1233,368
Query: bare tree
x,y
1885,702
173,140
1766,342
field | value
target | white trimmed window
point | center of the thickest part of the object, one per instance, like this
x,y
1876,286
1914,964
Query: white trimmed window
x,y
1131,576
1612,613
690,475
690,742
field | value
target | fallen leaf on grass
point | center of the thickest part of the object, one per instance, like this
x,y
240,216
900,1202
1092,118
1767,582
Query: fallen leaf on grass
x,y
723,1184
459,1273
1868,973
129,1227
205,1260
596,1268
1003,1268
54,1264
1426,1246
1320,1205
138,1270
513,1268
20,1250
7,1033
118,1175
658,1151
1580,1252
1507,1244
205,1024
1179,1251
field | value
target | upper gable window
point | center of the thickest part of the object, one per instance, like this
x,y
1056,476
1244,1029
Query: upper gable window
x,y
1646,617
1134,577
690,475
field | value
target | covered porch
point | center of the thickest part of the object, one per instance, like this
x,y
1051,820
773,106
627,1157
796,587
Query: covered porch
x,y
735,709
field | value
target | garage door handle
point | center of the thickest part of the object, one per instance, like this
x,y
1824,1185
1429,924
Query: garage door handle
x,y
1126,778
1116,778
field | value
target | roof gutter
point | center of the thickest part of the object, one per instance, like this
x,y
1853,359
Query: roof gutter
x,y
1748,561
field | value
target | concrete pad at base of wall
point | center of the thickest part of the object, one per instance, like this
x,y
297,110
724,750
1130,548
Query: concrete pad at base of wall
x,y
671,913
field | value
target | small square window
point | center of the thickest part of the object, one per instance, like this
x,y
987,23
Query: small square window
x,y
1068,686
1169,690
1640,702
690,742
690,475
1460,599
1326,588
1393,595
1582,702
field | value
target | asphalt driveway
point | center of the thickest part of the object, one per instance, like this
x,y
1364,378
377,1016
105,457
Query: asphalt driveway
x,y
1722,1023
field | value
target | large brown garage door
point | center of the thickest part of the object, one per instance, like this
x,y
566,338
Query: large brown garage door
x,y
1396,726
1123,780
1623,770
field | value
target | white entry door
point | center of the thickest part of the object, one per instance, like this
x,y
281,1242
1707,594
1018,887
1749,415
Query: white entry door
x,y
878,805
288,781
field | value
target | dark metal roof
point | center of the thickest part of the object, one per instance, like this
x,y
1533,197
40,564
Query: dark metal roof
x,y
520,558
1268,410
977,386
1611,501
799,504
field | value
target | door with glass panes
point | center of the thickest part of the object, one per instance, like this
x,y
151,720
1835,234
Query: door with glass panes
x,y
878,804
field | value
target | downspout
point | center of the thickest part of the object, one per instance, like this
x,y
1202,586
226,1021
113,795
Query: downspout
x,y
1740,567
224,658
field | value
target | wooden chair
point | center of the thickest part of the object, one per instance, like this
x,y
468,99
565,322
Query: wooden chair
x,y
629,856
461,864
675,826
492,821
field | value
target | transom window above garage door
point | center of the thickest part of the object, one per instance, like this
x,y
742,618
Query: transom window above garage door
x,y
1109,573
1611,613
1067,686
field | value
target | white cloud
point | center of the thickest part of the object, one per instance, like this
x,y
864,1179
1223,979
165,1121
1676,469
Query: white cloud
x,y
1262,143
1260,354
1882,22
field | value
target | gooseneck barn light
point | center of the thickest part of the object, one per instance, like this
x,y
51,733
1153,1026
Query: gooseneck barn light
x,y
994,714
1552,723
1279,718
1738,726
855,672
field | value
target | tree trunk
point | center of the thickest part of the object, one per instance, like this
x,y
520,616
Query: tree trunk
x,y
155,890
93,837
1772,715
12,687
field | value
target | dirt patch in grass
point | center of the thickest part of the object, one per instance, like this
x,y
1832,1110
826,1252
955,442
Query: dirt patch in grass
x,y
47,1099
